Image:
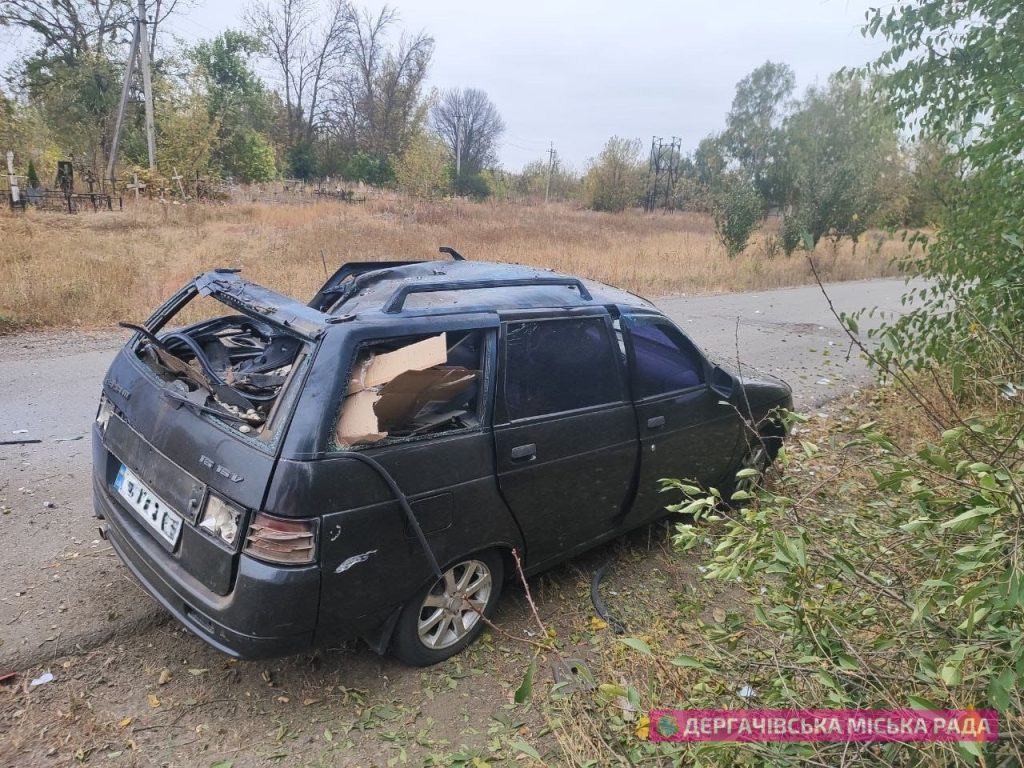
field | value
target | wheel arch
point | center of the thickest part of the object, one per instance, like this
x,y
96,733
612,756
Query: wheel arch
x,y
380,640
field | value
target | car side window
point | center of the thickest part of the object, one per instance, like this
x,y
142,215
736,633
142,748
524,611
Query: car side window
x,y
553,366
664,360
412,387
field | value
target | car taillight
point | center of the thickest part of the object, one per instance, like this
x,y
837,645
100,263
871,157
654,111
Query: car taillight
x,y
104,412
220,519
280,540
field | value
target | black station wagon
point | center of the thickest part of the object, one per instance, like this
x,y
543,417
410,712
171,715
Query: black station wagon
x,y
279,475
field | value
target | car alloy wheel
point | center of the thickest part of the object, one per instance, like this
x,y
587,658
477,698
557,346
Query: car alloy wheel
x,y
454,605
757,458
445,615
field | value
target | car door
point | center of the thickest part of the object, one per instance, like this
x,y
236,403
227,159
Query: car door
x,y
686,430
370,556
565,434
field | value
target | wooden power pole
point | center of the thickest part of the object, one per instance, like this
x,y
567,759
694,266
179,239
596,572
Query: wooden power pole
x,y
140,51
551,168
147,84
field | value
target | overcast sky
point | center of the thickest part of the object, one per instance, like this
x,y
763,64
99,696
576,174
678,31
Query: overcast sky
x,y
578,71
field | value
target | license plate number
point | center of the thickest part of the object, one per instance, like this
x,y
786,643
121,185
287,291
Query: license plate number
x,y
155,512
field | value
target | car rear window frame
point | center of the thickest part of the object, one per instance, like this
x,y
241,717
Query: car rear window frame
x,y
376,336
271,438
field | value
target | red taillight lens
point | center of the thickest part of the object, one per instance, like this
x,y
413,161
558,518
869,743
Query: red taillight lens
x,y
280,540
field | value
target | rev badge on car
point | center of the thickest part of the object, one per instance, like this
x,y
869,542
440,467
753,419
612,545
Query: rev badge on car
x,y
118,388
220,469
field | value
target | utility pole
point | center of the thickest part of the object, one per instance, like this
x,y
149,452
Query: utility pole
x,y
652,175
147,85
663,166
551,168
139,50
675,154
458,148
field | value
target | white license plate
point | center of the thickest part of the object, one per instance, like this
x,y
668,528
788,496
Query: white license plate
x,y
151,508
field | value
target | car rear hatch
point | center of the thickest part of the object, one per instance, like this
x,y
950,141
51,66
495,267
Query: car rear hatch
x,y
192,420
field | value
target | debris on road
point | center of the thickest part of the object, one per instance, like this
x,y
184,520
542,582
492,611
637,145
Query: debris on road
x,y
43,679
20,442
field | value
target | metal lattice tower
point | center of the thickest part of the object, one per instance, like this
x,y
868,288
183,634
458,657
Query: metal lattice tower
x,y
662,172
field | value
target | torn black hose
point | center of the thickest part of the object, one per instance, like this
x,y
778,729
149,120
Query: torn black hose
x,y
595,598
206,378
377,467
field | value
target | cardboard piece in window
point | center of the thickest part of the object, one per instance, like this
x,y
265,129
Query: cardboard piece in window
x,y
358,423
378,369
413,391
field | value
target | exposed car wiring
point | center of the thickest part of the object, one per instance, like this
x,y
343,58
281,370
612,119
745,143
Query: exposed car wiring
x,y
219,413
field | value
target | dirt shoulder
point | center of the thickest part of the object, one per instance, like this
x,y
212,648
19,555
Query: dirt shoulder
x,y
335,707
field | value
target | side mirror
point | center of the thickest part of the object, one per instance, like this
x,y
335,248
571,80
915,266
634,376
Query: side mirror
x,y
723,383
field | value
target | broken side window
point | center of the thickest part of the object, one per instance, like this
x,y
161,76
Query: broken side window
x,y
411,387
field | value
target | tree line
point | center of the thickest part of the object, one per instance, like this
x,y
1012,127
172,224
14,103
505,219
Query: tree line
x,y
343,96
830,164
308,90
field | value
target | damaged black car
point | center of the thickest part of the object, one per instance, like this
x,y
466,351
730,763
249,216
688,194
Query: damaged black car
x,y
280,475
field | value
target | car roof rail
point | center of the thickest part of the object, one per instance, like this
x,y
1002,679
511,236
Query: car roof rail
x,y
397,301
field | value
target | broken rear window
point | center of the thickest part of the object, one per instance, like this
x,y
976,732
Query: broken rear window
x,y
413,386
234,368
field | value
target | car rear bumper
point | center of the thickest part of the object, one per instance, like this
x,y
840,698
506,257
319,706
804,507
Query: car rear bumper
x,y
269,612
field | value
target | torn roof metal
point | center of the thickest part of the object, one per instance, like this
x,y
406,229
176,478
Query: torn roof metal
x,y
413,288
235,291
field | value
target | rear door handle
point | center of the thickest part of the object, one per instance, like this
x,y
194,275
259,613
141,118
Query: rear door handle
x,y
524,452
656,422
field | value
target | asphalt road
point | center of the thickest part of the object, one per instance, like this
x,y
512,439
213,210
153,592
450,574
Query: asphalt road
x,y
63,591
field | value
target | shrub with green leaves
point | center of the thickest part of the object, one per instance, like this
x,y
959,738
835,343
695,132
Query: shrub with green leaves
x,y
792,233
737,209
614,179
953,72
890,580
31,176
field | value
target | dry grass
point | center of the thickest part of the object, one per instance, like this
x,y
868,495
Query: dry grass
x,y
96,269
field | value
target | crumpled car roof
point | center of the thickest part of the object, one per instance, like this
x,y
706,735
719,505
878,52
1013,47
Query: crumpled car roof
x,y
374,290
